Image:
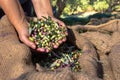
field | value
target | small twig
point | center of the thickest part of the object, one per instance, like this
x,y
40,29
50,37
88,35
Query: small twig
x,y
55,54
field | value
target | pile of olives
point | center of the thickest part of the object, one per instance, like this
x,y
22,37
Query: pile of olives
x,y
65,56
46,33
67,60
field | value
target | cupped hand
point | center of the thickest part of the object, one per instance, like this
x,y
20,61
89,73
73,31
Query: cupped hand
x,y
23,33
60,41
61,25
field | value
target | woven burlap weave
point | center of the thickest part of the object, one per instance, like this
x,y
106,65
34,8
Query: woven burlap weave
x,y
115,60
14,56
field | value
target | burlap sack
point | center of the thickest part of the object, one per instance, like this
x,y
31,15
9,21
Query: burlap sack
x,y
101,35
106,68
94,42
115,60
64,74
84,76
88,59
100,40
115,38
15,58
104,37
112,25
14,55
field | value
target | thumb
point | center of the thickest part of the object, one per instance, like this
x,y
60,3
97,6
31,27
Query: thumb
x,y
29,43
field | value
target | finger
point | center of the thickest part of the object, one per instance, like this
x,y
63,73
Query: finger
x,y
64,39
40,49
47,50
29,18
28,42
55,46
35,19
60,41
66,33
59,22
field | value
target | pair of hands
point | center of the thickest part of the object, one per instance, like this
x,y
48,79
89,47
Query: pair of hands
x,y
15,13
24,36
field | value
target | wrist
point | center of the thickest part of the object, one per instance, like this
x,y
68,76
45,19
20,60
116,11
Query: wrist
x,y
41,9
21,25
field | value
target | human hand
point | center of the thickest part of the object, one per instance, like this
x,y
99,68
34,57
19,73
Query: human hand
x,y
61,25
23,34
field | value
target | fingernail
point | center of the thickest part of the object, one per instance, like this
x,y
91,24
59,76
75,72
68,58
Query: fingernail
x,y
33,46
64,39
55,46
47,50
66,33
41,49
60,41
